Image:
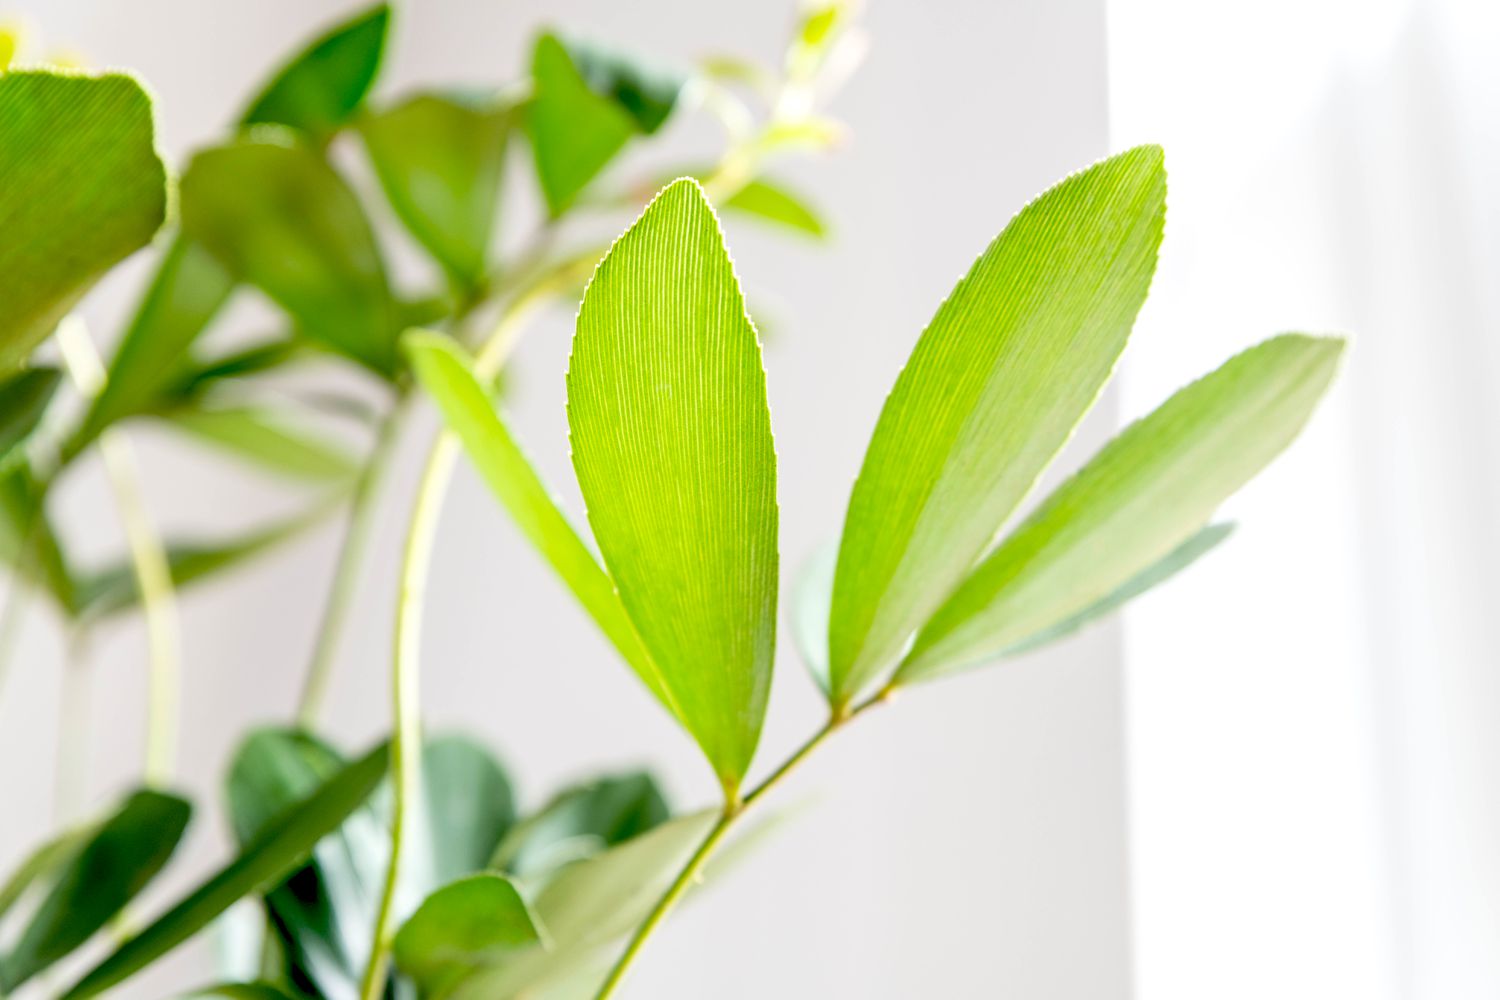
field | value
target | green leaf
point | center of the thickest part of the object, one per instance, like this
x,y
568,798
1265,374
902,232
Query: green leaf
x,y
773,202
440,161
23,402
241,991
591,904
323,911
84,189
256,359
268,439
469,807
1170,565
811,599
1009,365
28,540
647,93
277,851
113,589
580,822
188,290
121,857
279,217
586,105
42,863
468,407
464,926
1145,493
671,439
323,86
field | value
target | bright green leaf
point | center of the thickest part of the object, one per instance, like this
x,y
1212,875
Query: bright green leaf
x,y
114,588
591,904
189,288
83,189
122,856
280,218
775,203
322,87
580,822
1145,493
671,439
467,406
276,852
1009,365
440,161
1174,562
464,926
268,439
23,402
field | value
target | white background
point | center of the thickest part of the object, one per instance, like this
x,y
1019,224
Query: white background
x,y
968,843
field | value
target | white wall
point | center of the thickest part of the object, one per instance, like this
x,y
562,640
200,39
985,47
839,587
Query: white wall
x,y
968,843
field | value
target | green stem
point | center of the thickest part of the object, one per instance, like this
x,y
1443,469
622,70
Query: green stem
x,y
356,543
727,820
148,557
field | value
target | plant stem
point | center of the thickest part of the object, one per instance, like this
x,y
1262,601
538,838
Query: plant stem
x,y
727,820
360,521
153,573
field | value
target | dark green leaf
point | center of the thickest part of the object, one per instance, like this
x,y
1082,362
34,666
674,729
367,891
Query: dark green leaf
x,y
1004,372
322,87
113,589
187,291
773,202
83,189
671,437
27,539
280,218
270,857
580,822
466,925
1145,493
440,161
648,93
41,864
574,132
118,861
469,409
241,991
470,807
255,359
23,401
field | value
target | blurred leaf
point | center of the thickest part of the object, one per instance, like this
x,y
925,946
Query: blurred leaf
x,y
241,991
580,822
1009,365
440,160
586,105
119,859
256,359
804,133
23,402
113,588
671,439
268,439
1143,495
83,190
280,218
811,598
589,905
448,376
469,806
42,863
648,93
324,910
464,926
322,87
278,850
187,291
1170,565
28,540
772,202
